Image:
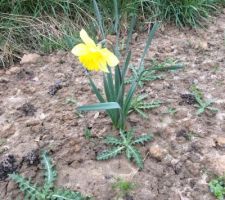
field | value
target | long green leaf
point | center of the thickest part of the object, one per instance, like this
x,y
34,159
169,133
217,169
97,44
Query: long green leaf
x,y
117,26
50,174
99,19
125,66
129,97
96,91
118,80
105,155
107,89
100,106
136,155
142,139
130,32
101,99
148,43
110,84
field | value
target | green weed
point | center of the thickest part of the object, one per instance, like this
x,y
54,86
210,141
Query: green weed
x,y
123,187
126,142
202,104
47,191
171,111
140,106
87,133
217,187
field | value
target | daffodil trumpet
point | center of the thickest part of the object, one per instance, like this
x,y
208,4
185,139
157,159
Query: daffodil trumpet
x,y
92,56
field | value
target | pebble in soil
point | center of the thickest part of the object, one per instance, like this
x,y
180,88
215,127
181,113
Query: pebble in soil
x,y
7,166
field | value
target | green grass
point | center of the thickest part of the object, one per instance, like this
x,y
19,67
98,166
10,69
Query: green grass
x,y
45,26
123,187
183,12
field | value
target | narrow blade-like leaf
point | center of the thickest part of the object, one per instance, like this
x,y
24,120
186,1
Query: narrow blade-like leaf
x,y
100,106
148,43
99,19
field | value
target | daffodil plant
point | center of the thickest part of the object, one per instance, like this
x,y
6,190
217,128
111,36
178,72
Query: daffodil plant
x,y
96,57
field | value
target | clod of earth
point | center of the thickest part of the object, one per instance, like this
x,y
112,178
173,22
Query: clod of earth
x,y
53,89
28,109
187,99
7,166
32,158
24,74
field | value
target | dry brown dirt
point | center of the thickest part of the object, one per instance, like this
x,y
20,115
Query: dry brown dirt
x,y
187,151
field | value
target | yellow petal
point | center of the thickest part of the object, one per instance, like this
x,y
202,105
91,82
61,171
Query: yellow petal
x,y
86,39
111,59
80,50
103,65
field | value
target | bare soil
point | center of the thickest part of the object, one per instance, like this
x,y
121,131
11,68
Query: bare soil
x,y
187,151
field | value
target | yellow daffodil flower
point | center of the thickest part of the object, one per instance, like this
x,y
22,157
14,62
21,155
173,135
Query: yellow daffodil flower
x,y
92,56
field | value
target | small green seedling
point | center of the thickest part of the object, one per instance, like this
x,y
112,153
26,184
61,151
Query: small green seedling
x,y
139,105
171,111
87,133
202,104
71,100
126,143
47,191
123,187
217,187
2,142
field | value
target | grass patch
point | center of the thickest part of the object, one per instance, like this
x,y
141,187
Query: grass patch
x,y
45,26
183,12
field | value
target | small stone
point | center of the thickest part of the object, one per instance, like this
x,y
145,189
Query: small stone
x,y
77,148
59,76
32,122
30,58
203,45
29,90
14,70
157,152
4,80
220,141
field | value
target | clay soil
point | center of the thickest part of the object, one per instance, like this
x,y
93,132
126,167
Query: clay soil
x,y
187,152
